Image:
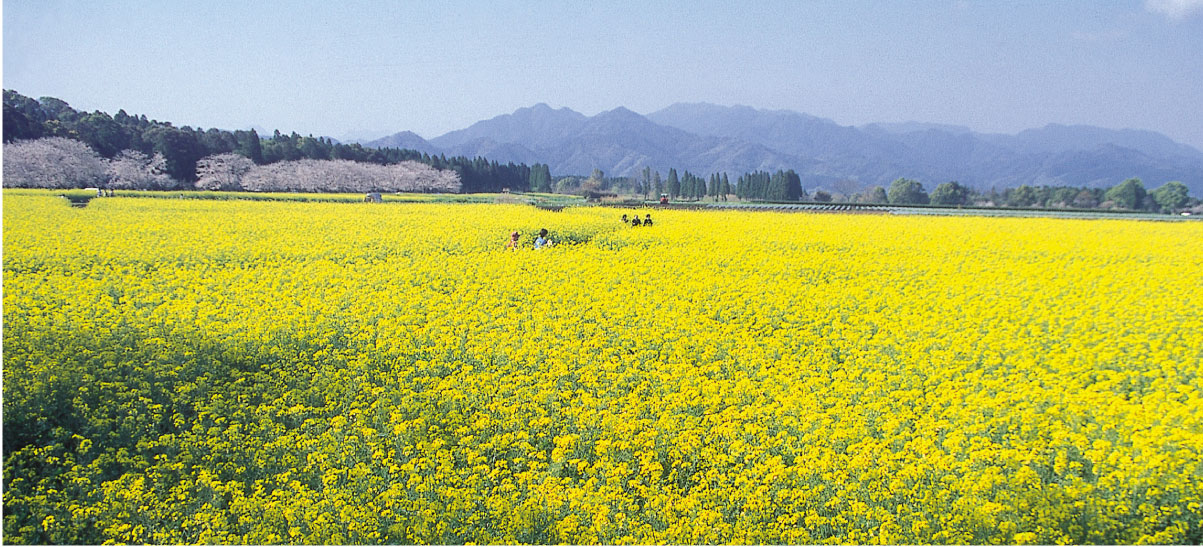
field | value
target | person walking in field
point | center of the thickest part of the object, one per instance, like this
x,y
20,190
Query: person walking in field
x,y
635,220
513,244
542,240
624,219
647,221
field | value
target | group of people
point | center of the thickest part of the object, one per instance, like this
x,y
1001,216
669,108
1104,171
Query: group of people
x,y
634,221
540,242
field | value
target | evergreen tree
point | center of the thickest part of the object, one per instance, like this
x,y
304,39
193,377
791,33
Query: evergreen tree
x,y
540,178
777,188
793,186
249,146
674,184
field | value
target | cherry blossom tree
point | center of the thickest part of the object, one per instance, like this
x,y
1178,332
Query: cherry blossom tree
x,y
132,169
52,162
222,172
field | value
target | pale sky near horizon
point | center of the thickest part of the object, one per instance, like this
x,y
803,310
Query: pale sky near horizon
x,y
369,68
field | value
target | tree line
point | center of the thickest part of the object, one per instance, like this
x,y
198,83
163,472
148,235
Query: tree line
x,y
786,185
178,149
1130,194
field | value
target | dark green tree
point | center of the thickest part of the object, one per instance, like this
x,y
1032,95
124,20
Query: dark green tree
x,y
793,186
754,185
1171,196
540,178
31,110
18,126
312,148
1129,194
674,183
179,147
59,110
907,192
784,186
249,145
950,193
102,133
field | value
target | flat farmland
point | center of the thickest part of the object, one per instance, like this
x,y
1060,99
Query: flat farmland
x,y
189,371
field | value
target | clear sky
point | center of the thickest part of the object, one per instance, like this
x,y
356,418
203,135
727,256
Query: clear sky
x,y
367,68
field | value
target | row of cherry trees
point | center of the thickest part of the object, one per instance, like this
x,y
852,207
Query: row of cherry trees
x,y
236,172
57,162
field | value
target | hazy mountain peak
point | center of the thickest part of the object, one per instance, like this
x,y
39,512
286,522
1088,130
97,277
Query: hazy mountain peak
x,y
538,125
621,112
543,109
404,139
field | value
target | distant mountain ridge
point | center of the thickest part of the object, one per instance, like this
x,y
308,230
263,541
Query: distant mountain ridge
x,y
705,138
405,139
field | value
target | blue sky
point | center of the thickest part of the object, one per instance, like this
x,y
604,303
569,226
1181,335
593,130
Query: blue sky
x,y
366,68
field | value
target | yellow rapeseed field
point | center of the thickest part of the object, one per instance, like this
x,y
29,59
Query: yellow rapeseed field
x,y
180,371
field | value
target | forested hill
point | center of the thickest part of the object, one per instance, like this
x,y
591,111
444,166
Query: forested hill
x,y
182,147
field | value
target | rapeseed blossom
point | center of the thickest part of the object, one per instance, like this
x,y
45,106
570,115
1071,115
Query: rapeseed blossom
x,y
234,372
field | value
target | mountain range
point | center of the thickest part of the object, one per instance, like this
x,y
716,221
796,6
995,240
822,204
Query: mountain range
x,y
706,138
